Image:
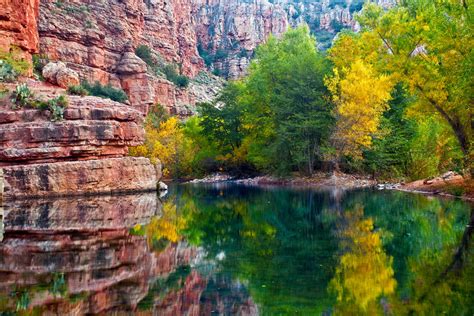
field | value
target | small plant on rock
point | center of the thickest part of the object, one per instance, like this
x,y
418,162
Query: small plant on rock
x,y
21,96
39,61
144,52
77,90
57,106
7,73
14,61
106,91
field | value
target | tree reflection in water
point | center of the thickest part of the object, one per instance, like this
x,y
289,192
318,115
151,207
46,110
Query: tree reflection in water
x,y
240,250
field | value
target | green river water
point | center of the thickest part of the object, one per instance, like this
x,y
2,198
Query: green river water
x,y
231,249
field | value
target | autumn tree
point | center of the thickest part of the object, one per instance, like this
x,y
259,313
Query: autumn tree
x,y
164,140
361,96
427,45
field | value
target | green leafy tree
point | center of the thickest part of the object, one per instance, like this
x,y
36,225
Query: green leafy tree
x,y
287,113
428,45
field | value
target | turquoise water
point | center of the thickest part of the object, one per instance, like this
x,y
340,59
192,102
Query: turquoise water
x,y
231,249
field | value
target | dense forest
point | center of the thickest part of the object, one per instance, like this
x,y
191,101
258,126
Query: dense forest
x,y
393,100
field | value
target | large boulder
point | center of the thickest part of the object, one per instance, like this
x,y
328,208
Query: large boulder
x,y
127,174
58,74
92,128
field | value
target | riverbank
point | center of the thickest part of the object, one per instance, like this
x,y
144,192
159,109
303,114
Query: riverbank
x,y
449,184
317,180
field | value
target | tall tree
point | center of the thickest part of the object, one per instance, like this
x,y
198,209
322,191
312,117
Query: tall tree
x,y
361,96
287,108
428,46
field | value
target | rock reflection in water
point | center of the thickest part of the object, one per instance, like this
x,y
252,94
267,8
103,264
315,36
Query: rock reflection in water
x,y
79,256
81,213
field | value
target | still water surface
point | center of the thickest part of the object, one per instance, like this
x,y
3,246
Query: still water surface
x,y
237,250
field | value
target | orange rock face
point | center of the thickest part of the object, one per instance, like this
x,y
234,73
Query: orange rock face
x,y
97,39
84,153
92,128
18,19
128,174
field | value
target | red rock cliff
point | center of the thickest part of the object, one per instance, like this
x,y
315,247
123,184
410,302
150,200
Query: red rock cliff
x,y
84,153
18,19
98,39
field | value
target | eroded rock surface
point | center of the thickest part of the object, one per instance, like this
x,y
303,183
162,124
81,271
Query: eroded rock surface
x,y
92,128
18,19
79,177
98,40
229,31
84,153
58,74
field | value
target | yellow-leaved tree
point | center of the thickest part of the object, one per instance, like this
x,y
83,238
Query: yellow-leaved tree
x,y
361,96
162,143
364,272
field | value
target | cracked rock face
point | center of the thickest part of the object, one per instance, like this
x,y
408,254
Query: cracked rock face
x,y
101,36
92,128
18,26
229,31
85,153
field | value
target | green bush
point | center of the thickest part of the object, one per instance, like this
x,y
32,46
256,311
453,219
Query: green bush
x,y
169,70
172,75
144,52
182,81
7,73
205,55
14,59
77,90
57,106
39,61
107,91
220,54
21,96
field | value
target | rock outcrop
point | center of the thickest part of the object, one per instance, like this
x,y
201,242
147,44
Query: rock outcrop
x,y
89,177
100,38
92,128
229,31
58,74
18,20
84,153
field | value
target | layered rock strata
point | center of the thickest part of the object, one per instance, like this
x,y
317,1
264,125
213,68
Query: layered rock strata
x,y
229,31
100,39
85,153
129,174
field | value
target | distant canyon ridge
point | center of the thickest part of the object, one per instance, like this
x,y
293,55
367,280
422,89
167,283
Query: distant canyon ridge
x,y
206,39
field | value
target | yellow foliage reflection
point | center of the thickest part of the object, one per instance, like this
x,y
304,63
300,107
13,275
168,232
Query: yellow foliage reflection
x,y
166,227
364,272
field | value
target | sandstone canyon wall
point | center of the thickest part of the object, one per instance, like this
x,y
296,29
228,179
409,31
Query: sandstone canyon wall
x,y
229,31
85,153
98,39
18,22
